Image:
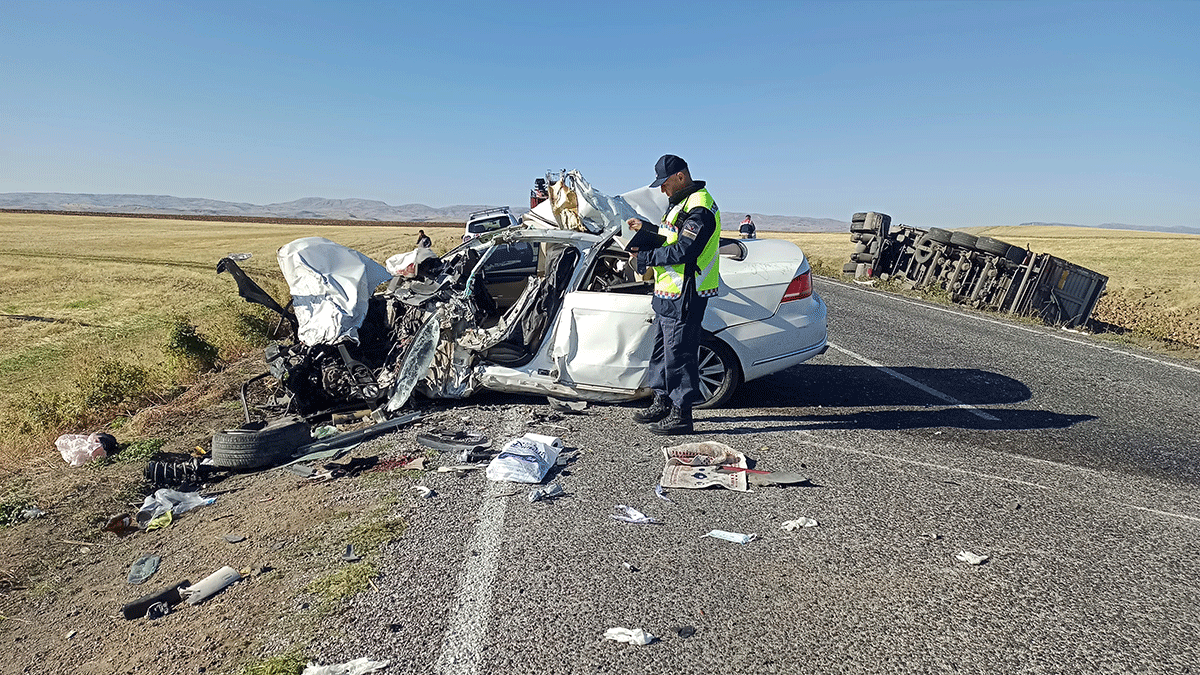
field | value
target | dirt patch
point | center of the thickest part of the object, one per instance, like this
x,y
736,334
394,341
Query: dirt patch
x,y
63,580
1151,315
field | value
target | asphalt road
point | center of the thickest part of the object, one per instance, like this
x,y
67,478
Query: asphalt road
x,y
925,431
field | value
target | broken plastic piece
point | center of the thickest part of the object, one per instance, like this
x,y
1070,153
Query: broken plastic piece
x,y
235,538
350,555
971,558
549,492
685,632
157,611
143,568
359,666
793,525
634,636
734,537
460,439
662,494
210,585
169,595
423,491
631,515
568,407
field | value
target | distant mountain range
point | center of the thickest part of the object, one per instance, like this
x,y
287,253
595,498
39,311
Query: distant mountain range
x,y
373,210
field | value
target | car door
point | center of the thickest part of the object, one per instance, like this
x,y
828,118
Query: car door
x,y
603,341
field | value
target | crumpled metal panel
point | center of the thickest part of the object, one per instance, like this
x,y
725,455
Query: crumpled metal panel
x,y
330,286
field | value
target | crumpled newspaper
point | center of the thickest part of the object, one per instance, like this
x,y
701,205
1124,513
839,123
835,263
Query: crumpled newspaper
x,y
631,515
793,525
634,636
358,666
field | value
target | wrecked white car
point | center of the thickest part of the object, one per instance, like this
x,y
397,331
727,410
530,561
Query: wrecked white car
x,y
552,306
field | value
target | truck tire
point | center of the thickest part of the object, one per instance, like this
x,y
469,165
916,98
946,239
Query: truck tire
x,y
1016,255
861,247
859,217
923,249
861,227
938,235
963,239
256,445
850,268
863,237
720,374
993,246
863,257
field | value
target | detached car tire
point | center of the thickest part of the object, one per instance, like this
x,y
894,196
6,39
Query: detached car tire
x,y
259,444
720,374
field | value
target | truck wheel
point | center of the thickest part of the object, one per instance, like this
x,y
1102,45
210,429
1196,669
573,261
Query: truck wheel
x,y
938,235
256,445
1016,255
861,247
863,257
850,268
963,239
993,246
720,373
923,250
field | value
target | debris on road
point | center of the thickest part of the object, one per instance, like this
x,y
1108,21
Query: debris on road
x,y
566,407
170,595
633,636
734,537
168,503
526,459
350,555
359,666
628,514
971,558
546,493
793,525
453,440
662,494
210,585
235,538
143,568
696,465
423,491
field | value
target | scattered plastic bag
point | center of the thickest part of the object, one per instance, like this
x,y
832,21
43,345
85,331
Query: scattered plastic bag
x,y
165,500
549,492
143,568
525,459
359,666
734,537
628,514
77,449
793,525
634,636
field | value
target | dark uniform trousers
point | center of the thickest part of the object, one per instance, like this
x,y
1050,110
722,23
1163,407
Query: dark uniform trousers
x,y
674,366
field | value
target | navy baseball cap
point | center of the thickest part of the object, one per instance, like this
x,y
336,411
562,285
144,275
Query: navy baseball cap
x,y
667,166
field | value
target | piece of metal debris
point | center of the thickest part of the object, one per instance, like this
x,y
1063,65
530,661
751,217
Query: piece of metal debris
x,y
971,558
350,555
423,491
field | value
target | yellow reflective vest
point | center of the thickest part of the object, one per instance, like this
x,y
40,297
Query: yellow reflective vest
x,y
668,280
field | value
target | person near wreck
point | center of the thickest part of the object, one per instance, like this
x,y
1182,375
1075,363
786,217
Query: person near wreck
x,y
423,240
686,275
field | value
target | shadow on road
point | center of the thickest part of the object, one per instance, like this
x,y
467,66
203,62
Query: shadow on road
x,y
833,386
895,420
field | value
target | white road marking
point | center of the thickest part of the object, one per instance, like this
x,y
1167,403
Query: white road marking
x,y
909,381
1027,329
980,474
468,624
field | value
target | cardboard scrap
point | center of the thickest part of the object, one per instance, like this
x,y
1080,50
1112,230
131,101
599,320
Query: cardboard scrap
x,y
696,465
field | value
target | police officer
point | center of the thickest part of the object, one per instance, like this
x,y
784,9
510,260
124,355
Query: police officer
x,y
685,277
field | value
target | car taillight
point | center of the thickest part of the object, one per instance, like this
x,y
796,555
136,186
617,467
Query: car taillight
x,y
800,288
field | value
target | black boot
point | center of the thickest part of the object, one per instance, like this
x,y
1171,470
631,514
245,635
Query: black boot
x,y
657,410
674,424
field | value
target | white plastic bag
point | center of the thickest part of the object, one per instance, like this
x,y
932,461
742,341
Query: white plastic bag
x,y
406,264
77,449
166,499
525,459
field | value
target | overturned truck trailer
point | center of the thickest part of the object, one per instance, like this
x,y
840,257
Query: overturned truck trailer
x,y
981,272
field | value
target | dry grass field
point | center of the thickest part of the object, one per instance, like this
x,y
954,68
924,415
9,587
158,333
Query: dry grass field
x,y
90,303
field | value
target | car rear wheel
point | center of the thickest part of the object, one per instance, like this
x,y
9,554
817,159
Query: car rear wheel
x,y
720,374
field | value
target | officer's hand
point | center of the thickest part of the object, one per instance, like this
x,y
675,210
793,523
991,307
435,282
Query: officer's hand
x,y
634,224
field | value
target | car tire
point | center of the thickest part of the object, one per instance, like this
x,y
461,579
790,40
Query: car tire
x,y
720,374
963,239
257,445
993,246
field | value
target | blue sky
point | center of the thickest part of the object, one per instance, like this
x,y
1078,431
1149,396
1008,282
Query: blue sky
x,y
949,114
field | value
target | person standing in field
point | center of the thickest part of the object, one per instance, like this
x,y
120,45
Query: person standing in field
x,y
747,229
423,240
